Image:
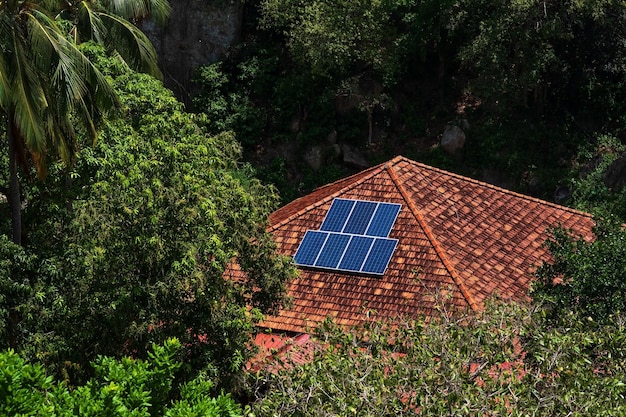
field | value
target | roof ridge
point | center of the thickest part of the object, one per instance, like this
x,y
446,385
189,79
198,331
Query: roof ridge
x,y
374,170
433,240
400,158
347,179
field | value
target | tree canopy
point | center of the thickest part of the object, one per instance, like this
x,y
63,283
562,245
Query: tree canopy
x,y
47,86
135,241
124,388
505,361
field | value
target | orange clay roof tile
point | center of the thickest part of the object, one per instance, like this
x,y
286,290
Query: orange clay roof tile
x,y
456,235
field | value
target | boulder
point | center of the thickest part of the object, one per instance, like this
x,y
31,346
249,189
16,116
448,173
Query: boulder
x,y
562,193
332,137
615,176
198,32
334,151
453,140
314,158
353,157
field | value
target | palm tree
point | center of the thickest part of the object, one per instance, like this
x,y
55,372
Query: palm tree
x,y
47,85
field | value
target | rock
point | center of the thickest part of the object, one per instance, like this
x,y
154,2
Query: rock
x,y
562,193
313,157
198,32
332,137
453,140
295,124
334,151
353,157
464,124
615,176
532,182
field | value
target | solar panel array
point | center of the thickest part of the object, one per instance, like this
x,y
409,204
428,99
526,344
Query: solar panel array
x,y
353,237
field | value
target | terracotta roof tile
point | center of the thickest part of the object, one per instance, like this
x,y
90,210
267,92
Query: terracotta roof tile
x,y
455,235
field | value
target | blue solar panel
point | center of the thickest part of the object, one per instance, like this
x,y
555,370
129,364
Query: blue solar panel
x,y
337,215
356,252
360,217
383,220
353,237
379,256
333,250
310,247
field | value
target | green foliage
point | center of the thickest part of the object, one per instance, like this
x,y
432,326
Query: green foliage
x,y
585,276
590,193
124,388
228,105
538,54
196,400
141,232
401,368
16,271
505,361
335,37
253,95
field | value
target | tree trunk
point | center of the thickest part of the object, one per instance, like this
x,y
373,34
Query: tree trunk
x,y
370,122
14,196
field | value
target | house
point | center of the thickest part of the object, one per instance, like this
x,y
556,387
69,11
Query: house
x,y
454,238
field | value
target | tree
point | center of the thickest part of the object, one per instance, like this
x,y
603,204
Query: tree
x,y
125,387
546,55
159,209
47,85
504,361
585,276
337,38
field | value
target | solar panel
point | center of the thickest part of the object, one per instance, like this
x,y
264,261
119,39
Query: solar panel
x,y
333,250
353,237
310,247
360,217
337,215
383,220
355,254
380,255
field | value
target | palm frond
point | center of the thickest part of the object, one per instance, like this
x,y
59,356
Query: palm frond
x,y
27,98
158,10
56,58
5,82
90,22
132,44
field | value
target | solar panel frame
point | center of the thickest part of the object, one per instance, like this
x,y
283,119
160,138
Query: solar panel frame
x,y
310,247
380,255
332,252
334,247
337,215
360,217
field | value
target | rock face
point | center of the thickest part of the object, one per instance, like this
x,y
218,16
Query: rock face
x,y
314,158
615,175
198,32
453,139
353,157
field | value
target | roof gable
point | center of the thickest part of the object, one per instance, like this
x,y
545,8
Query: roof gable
x,y
458,238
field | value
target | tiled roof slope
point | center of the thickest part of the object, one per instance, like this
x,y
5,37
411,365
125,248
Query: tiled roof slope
x,y
458,238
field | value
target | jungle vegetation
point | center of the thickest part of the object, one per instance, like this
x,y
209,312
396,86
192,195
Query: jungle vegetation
x,y
124,208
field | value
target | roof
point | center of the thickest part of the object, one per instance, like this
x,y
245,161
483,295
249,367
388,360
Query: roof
x,y
460,241
287,349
